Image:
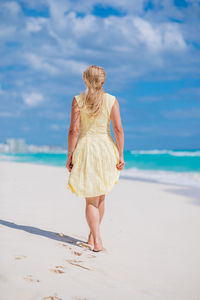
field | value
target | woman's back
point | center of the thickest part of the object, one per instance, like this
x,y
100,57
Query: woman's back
x,y
100,124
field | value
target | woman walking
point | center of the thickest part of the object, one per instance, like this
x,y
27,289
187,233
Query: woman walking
x,y
94,160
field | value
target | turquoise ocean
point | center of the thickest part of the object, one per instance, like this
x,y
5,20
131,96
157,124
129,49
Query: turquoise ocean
x,y
180,167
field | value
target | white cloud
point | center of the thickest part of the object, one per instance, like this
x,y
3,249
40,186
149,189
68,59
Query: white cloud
x,y
151,37
127,6
33,99
8,114
55,127
58,10
159,36
54,65
12,7
40,63
35,24
6,32
72,66
189,113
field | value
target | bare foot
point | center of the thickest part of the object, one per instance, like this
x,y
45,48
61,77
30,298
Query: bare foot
x,y
90,239
98,246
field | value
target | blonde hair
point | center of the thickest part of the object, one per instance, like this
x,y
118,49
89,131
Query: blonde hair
x,y
94,77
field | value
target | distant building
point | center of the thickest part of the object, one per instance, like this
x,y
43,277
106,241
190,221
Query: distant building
x,y
4,148
45,149
19,146
16,145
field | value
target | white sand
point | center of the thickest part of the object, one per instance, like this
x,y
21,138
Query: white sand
x,y
150,231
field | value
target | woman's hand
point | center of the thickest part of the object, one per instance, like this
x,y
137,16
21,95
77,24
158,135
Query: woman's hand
x,y
69,164
121,163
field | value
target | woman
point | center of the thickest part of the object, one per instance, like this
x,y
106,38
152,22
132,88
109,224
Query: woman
x,y
94,160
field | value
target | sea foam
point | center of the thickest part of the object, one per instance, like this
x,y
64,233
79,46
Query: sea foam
x,y
191,179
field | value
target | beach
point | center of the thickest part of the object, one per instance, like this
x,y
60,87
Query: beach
x,y
150,231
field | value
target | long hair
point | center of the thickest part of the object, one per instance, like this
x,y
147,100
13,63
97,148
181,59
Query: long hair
x,y
94,77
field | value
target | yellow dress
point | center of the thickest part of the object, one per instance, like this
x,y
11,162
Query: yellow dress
x,y
94,159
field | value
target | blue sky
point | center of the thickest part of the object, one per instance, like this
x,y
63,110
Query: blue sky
x,y
150,51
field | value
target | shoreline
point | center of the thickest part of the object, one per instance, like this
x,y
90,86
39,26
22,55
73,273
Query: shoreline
x,y
124,174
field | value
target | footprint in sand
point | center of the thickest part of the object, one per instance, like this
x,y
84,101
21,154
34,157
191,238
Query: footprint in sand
x,y
60,234
20,256
84,253
79,254
31,279
64,245
91,255
77,263
76,253
58,269
51,298
84,245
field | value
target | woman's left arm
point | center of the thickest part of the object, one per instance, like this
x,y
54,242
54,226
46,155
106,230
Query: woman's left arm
x,y
73,132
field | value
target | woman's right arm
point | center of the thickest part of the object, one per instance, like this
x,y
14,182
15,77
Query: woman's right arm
x,y
118,132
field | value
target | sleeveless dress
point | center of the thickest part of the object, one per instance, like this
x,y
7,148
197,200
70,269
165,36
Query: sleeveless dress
x,y
94,159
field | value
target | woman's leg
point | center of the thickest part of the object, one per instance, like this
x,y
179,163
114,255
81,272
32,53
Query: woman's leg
x,y
95,209
101,206
101,213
